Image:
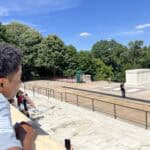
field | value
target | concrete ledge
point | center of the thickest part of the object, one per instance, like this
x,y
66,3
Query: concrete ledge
x,y
42,142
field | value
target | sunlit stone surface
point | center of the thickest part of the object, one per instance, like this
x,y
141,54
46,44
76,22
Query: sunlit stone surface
x,y
137,77
89,130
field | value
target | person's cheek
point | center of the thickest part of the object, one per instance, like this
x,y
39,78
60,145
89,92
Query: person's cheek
x,y
16,90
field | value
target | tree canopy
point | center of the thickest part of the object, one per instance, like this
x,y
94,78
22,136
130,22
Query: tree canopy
x,y
49,56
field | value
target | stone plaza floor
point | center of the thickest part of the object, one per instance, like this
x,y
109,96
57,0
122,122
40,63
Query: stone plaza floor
x,y
88,130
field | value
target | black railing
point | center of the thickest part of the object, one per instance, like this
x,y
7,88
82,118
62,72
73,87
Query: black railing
x,y
63,96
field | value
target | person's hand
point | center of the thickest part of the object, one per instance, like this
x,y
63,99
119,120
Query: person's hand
x,y
25,133
72,147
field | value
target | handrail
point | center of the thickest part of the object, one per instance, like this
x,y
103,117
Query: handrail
x,y
50,93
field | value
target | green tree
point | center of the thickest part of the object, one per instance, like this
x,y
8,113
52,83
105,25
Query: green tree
x,y
135,52
103,72
51,53
14,31
102,49
3,36
86,63
110,52
145,58
70,61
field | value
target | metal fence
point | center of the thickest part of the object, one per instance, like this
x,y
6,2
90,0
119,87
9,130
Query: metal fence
x,y
135,115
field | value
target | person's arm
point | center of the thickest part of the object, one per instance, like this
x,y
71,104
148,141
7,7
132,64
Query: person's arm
x,y
7,133
26,134
29,101
8,137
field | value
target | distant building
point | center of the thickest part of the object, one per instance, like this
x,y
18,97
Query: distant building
x,y
137,77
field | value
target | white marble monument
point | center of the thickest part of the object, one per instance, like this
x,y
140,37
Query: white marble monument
x,y
86,78
137,77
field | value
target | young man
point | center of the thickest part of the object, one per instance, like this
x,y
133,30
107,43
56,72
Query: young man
x,y
22,138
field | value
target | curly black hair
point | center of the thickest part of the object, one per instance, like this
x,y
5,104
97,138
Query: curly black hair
x,y
10,59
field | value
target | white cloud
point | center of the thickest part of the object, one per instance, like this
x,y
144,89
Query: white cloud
x,y
133,32
85,34
130,33
35,6
142,26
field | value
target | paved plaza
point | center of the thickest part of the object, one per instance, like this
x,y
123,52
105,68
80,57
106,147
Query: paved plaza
x,y
141,92
89,130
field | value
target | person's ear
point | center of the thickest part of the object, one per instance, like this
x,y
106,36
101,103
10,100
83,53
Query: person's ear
x,y
2,81
1,85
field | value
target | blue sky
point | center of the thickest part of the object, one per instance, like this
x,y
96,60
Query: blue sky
x,y
82,22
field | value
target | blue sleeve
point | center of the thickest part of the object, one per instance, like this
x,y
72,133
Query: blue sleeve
x,y
7,133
